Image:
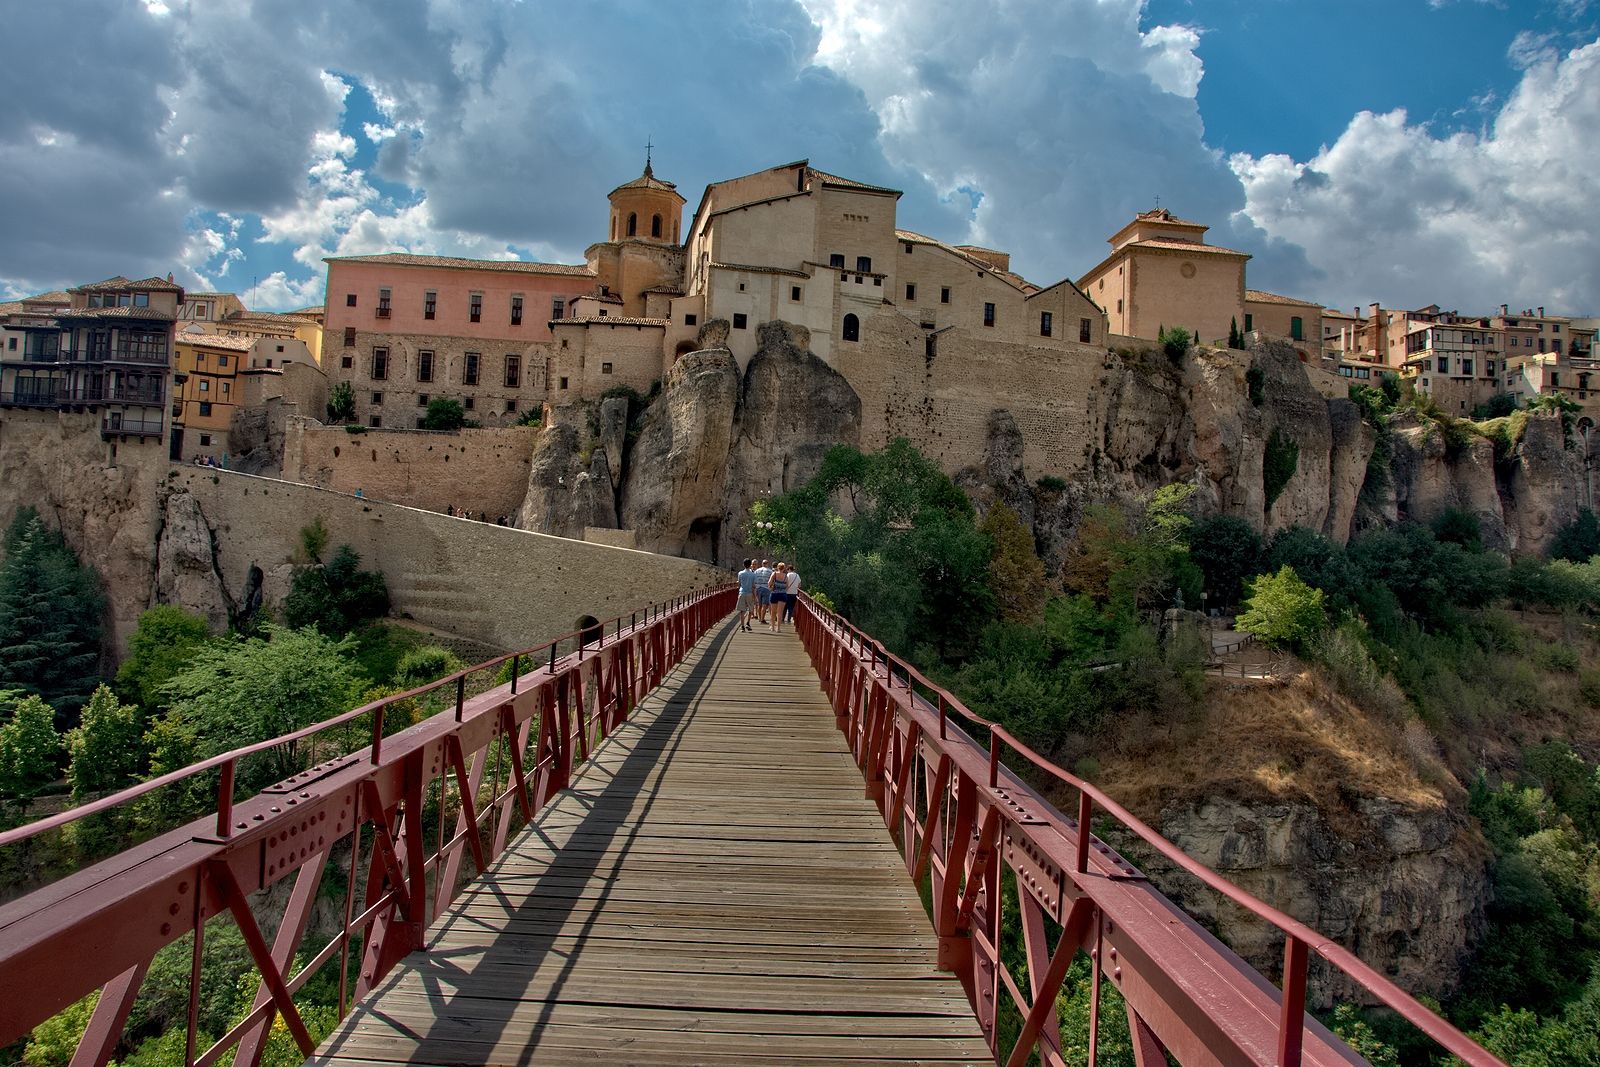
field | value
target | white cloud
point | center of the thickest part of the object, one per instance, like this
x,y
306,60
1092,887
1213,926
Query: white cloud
x,y
1391,212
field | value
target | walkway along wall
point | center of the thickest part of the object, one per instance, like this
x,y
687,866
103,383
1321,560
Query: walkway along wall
x,y
502,587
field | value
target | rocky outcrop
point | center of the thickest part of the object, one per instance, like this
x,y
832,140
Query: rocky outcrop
x,y
1000,478
1545,483
569,480
676,471
186,565
1403,888
1352,444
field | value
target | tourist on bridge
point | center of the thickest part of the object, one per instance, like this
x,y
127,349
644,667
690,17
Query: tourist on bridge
x,y
763,590
791,594
747,596
780,595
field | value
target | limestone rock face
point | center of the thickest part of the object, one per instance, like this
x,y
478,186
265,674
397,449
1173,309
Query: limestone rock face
x,y
569,481
186,566
672,491
1546,477
1353,442
793,408
1298,413
1000,479
1405,889
614,434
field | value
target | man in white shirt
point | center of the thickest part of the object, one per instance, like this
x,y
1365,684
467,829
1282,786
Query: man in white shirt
x,y
794,595
763,594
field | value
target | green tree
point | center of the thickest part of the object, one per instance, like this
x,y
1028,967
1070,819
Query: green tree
x,y
240,692
1283,610
1175,342
1460,528
1579,540
162,644
50,611
30,748
1016,575
341,403
1227,549
1497,406
53,1041
106,748
1235,335
444,413
336,597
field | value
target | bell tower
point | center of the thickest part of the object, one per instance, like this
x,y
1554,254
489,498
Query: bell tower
x,y
646,209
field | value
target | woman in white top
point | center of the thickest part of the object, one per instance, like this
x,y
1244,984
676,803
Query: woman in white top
x,y
791,595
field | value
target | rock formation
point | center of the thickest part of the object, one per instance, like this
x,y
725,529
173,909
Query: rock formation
x,y
186,567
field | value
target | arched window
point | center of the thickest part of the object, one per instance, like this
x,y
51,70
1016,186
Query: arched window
x,y
633,224
613,227
852,328
655,225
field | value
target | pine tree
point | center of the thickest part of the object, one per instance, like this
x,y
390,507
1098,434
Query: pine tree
x,y
1235,336
50,609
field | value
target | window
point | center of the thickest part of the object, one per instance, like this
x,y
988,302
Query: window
x,y
380,364
794,293
740,320
349,336
469,369
605,368
1084,328
944,295
383,303
911,291
469,403
988,314
1555,327
1249,319
1443,365
1046,323
741,287
425,366
476,307
852,329
205,385
633,224
375,421
563,382
558,308
513,372
516,311
422,400
690,318
511,405
908,249
377,399
142,300
864,264
1296,329
878,282
222,361
1119,309
205,439
655,225
1466,366
11,343
836,259
1555,380
430,303
349,300
205,407
346,362
269,366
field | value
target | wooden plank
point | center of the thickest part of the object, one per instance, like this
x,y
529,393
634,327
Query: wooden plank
x,y
714,888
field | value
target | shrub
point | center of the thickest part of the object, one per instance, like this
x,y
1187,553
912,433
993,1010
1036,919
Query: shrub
x,y
1497,406
444,413
1459,527
1051,484
1282,610
161,645
1579,540
1278,465
1235,335
426,664
1255,380
1227,549
336,597
1174,342
341,403
534,416
314,539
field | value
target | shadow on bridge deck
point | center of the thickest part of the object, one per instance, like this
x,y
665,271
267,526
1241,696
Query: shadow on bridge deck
x,y
713,889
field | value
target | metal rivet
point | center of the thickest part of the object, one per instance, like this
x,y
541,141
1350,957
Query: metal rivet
x,y
183,887
166,928
172,909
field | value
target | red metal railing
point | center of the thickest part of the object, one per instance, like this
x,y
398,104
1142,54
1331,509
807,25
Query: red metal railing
x,y
961,816
100,928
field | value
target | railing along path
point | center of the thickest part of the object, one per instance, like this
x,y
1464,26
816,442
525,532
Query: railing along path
x,y
100,928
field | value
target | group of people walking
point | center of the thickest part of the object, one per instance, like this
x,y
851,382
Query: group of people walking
x,y
767,594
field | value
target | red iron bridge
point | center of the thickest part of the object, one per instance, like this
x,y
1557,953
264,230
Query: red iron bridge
x,y
663,840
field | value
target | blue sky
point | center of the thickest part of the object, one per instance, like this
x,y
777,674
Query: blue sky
x,y
1408,151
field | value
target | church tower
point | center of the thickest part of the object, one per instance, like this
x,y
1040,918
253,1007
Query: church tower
x,y
646,209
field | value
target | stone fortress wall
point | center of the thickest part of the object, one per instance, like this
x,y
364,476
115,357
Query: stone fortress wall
x,y
506,588
484,471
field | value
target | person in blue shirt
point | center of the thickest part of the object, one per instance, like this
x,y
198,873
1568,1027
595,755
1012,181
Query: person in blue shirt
x,y
747,596
763,589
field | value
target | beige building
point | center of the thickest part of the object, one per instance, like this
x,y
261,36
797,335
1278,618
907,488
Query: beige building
x,y
1285,318
1162,273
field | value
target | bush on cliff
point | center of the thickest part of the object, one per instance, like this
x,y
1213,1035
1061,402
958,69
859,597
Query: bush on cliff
x,y
1282,610
444,413
341,403
162,644
336,597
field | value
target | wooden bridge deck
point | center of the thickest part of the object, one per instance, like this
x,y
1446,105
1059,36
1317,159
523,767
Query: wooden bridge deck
x,y
714,889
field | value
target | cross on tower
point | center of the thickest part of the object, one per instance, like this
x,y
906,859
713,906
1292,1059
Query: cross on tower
x,y
647,147
1158,201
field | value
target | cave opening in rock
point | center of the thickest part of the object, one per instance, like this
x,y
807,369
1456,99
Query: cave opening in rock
x,y
701,542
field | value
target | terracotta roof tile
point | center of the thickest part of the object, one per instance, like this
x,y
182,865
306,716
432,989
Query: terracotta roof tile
x,y
752,268
647,180
216,340
55,296
1186,246
850,183
610,320
669,290
511,266
156,314
1260,296
1161,214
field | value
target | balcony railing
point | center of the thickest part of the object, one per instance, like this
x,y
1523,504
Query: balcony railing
x,y
29,398
118,423
108,393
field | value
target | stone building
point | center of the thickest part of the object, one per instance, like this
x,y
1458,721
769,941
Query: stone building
x,y
1162,273
1284,318
106,351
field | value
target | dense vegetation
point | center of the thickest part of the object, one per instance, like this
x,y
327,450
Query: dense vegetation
x,y
1408,622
